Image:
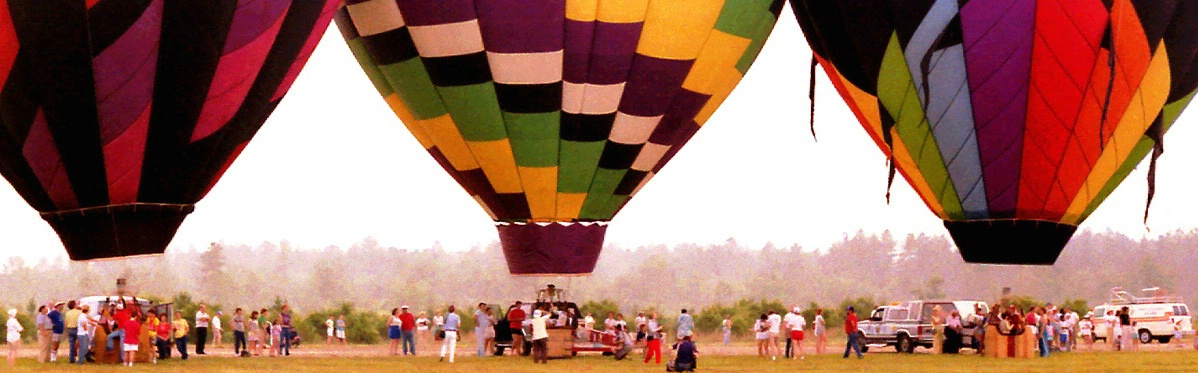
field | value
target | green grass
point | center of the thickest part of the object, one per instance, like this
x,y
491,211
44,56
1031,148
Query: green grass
x,y
888,362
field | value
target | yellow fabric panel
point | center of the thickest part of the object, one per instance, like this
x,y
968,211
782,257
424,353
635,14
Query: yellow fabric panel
x,y
677,29
444,133
409,121
721,88
485,207
1146,106
621,11
540,187
498,163
581,10
902,159
721,52
569,205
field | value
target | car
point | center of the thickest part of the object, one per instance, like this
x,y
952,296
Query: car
x,y
908,325
1153,315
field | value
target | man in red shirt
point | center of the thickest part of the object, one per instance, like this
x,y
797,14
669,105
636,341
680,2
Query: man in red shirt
x,y
408,324
515,318
850,328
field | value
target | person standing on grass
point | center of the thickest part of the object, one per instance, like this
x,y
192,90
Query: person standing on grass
x,y
394,333
72,330
480,330
44,329
489,331
218,333
285,331
422,327
58,328
1126,327
450,343
151,325
202,322
727,329
238,332
341,329
329,326
253,334
515,318
775,321
1086,330
686,325
762,330
163,337
14,330
407,331
540,337
821,332
795,323
132,327
850,329
85,329
180,326
653,340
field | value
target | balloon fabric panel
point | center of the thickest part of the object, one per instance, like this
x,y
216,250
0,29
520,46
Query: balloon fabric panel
x,y
1031,111
121,114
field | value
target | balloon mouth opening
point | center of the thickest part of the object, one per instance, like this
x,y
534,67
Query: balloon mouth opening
x,y
1010,241
551,249
118,231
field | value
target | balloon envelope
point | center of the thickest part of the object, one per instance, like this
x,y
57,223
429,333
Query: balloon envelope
x,y
1012,119
119,115
553,113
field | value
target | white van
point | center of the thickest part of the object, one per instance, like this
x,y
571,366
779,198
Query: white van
x,y
1153,316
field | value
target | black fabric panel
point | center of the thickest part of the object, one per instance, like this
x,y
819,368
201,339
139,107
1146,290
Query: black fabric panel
x,y
468,69
109,19
118,231
65,89
952,36
345,24
515,206
811,32
776,7
586,128
853,35
215,150
529,98
193,36
1181,41
1020,242
390,47
631,180
617,156
554,249
17,111
1154,16
907,16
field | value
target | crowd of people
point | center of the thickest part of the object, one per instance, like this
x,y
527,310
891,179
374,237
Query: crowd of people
x,y
770,328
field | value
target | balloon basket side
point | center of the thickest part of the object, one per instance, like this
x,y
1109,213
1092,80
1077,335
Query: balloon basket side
x,y
553,249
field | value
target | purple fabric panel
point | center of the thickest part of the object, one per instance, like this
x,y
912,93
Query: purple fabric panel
x,y
436,12
652,85
252,19
685,133
522,26
579,37
124,74
613,52
683,110
473,181
998,52
552,249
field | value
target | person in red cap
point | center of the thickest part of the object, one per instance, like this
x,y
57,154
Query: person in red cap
x,y
850,328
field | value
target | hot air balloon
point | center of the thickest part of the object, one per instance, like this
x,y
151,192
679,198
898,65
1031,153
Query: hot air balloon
x,y
553,113
119,115
1012,119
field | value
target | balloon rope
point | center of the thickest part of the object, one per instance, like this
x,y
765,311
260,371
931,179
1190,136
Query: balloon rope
x,y
1156,132
888,138
811,94
1110,86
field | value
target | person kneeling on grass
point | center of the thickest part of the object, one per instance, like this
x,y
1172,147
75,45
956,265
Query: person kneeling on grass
x,y
686,359
623,345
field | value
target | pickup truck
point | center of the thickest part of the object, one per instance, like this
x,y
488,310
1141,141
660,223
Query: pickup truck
x,y
908,325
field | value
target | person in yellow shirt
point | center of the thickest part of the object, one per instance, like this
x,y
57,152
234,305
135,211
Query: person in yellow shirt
x,y
151,325
180,326
72,325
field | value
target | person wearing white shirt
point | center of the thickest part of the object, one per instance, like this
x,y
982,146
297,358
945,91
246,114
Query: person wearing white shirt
x,y
450,343
217,331
540,337
821,332
775,321
202,320
727,329
795,323
14,336
84,331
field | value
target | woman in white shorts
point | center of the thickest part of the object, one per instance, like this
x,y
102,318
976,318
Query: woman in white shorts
x,y
821,334
762,328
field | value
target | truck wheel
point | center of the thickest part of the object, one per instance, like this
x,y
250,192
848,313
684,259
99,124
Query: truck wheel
x,y
904,344
861,342
1145,336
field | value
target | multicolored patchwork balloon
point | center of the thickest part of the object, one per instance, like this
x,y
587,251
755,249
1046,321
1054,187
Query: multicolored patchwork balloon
x,y
1012,119
119,115
553,113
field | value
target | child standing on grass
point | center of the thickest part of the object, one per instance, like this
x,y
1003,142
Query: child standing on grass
x,y
132,327
276,331
252,333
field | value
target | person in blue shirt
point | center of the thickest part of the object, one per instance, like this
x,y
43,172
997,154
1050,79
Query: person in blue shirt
x,y
56,319
452,322
686,358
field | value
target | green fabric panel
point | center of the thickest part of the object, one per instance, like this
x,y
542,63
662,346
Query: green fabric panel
x,y
603,188
475,110
603,208
535,138
577,165
367,63
415,88
740,17
1143,147
897,93
762,28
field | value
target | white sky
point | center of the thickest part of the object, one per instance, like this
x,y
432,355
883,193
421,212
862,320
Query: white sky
x,y
333,165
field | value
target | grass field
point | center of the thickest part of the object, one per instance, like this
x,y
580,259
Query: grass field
x,y
1186,361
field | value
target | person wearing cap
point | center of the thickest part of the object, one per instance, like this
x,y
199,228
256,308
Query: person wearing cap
x,y
850,329
407,331
56,331
217,331
820,331
795,323
14,336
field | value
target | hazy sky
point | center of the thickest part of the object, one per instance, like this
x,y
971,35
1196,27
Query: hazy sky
x,y
333,165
